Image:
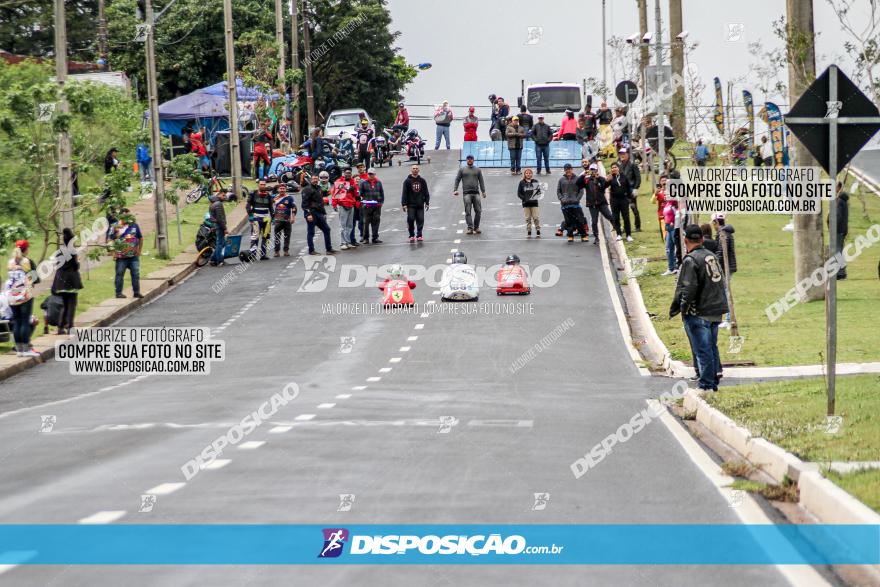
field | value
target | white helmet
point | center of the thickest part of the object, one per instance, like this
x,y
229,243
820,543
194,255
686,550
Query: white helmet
x,y
396,271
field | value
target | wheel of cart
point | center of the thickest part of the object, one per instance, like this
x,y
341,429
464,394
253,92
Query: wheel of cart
x,y
232,249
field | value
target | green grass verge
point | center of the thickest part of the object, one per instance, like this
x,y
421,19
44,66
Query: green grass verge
x,y
864,485
765,273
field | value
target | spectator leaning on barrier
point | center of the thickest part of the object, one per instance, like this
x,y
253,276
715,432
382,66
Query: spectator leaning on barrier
x,y
127,242
217,214
701,301
470,177
542,134
443,117
19,295
67,282
567,128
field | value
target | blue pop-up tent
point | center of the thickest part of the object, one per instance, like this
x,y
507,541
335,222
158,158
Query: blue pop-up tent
x,y
243,93
198,107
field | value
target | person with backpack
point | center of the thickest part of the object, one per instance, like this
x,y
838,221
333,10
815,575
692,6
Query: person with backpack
x,y
443,117
19,292
529,192
67,282
127,243
372,198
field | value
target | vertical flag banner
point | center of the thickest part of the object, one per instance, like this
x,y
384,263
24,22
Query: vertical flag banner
x,y
719,107
777,136
750,115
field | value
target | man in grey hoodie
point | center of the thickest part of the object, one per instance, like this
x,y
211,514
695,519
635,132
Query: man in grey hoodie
x,y
470,177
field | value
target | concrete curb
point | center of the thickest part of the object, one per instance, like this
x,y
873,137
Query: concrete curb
x,y
110,311
826,501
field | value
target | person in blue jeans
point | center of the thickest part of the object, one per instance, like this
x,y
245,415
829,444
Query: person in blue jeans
x,y
701,300
127,243
701,154
542,134
443,117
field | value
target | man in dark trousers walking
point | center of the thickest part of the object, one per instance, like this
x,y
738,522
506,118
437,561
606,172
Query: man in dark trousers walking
x,y
594,192
620,190
372,198
414,200
630,171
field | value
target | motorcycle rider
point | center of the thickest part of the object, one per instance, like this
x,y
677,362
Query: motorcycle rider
x,y
345,199
414,201
260,209
362,138
313,201
283,217
470,177
372,198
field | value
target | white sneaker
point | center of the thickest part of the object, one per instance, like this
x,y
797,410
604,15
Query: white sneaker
x,y
619,238
344,247
667,272
724,324
29,353
629,239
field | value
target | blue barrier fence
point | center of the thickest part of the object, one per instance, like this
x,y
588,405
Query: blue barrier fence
x,y
496,153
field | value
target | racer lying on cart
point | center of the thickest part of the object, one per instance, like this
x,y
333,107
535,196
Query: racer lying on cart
x,y
512,278
396,290
459,281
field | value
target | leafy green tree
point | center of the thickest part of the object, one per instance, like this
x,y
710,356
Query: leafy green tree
x,y
27,27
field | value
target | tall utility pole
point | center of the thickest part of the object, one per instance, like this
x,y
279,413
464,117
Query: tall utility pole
x,y
808,237
310,91
279,39
604,61
644,55
234,145
102,35
294,63
65,187
677,58
155,136
658,54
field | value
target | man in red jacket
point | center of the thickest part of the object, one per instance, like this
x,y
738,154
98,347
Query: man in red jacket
x,y
401,122
345,199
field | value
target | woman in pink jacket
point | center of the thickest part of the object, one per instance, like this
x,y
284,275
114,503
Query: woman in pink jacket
x,y
567,128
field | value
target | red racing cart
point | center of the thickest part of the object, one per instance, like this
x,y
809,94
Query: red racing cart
x,y
512,279
396,290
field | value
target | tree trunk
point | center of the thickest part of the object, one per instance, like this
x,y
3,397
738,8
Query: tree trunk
x,y
801,50
644,55
677,57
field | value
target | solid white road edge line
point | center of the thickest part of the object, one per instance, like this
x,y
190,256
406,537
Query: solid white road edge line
x,y
749,511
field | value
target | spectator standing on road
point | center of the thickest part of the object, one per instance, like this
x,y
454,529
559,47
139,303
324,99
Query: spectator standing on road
x,y
67,282
358,211
525,119
701,154
19,293
313,200
470,177
516,134
542,134
569,193
362,138
529,192
594,195
259,209
401,121
568,127
620,191
345,199
372,198
443,117
701,301
842,227
630,171
414,201
127,244
471,122
217,214
142,155
283,216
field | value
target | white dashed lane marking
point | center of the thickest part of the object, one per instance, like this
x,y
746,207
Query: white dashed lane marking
x,y
251,444
326,406
105,517
419,327
374,379
385,370
405,349
394,360
304,417
216,464
359,388
164,489
343,396
412,338
280,429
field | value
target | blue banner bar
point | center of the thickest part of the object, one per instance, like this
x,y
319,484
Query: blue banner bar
x,y
611,544
496,153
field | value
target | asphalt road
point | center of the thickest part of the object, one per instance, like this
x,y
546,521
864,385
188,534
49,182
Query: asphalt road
x,y
385,441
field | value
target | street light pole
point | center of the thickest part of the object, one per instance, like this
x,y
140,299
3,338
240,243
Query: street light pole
x,y
155,136
604,61
234,145
65,187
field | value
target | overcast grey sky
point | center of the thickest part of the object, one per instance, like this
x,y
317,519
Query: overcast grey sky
x,y
478,47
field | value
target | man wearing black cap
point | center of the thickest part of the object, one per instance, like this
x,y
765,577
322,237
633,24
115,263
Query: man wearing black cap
x,y
568,190
542,134
699,297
